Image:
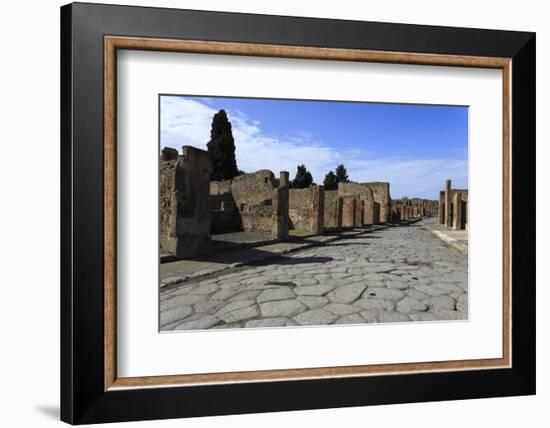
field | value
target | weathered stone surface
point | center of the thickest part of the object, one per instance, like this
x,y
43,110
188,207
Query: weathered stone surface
x,y
188,300
313,302
240,314
175,314
282,308
267,322
208,288
378,304
276,294
341,309
383,293
234,306
422,316
351,319
434,274
315,317
445,302
347,293
207,321
390,316
313,290
408,305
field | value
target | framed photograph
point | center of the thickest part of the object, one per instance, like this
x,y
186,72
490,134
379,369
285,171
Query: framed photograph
x,y
266,213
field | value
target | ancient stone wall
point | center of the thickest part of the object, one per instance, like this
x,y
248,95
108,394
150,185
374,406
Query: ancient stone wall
x,y
381,193
184,204
453,207
333,210
306,209
367,211
249,202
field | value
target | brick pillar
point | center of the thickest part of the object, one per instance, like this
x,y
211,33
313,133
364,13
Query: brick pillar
x,y
448,203
279,228
318,210
457,211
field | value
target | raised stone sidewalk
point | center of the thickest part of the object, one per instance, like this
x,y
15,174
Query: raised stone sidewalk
x,y
457,239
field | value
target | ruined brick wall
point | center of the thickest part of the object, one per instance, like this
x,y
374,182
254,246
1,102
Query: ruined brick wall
x,y
253,189
257,218
333,210
184,202
367,210
306,209
248,203
381,194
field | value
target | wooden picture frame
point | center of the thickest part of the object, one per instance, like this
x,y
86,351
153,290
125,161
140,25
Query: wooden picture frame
x,y
91,390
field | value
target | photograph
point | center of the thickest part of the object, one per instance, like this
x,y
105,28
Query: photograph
x,y
292,213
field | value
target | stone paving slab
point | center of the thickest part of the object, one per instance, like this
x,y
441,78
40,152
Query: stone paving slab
x,y
395,274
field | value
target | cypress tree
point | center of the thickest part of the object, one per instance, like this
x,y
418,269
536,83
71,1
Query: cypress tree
x,y
303,178
221,148
341,174
330,182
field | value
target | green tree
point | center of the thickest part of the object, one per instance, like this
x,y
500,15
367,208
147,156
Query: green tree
x,y
330,182
303,178
221,148
341,174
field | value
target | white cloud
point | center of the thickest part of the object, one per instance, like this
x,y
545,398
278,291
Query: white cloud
x,y
188,122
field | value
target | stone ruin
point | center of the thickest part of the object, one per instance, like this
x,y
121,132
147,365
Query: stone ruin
x,y
192,207
184,213
255,202
453,207
406,209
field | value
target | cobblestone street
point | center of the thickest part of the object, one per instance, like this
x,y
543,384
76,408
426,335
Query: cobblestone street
x,y
397,274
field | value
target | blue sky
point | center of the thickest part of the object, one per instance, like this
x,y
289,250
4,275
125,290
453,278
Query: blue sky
x,y
414,147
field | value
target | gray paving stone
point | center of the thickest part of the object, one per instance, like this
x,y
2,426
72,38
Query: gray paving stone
x,y
391,316
202,323
445,302
276,294
175,314
422,316
267,322
241,314
351,319
207,288
234,306
282,308
384,293
347,293
342,309
313,290
408,305
377,304
313,302
315,317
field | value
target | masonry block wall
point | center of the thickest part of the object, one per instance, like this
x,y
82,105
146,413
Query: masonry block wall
x,y
307,209
453,207
333,210
368,208
184,204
